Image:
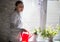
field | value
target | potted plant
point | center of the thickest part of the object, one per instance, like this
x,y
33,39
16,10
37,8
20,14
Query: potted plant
x,y
35,35
49,32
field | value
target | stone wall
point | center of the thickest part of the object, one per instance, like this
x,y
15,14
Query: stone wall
x,y
6,7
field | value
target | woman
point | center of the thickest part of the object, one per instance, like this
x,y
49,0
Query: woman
x,y
15,23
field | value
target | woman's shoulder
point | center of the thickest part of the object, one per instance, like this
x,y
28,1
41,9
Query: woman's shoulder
x,y
14,13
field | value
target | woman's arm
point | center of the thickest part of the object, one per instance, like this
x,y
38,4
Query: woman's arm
x,y
14,20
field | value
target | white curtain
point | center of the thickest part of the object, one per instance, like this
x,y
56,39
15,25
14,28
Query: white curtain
x,y
43,13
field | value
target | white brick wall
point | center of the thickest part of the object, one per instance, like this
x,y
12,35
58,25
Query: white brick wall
x,y
6,7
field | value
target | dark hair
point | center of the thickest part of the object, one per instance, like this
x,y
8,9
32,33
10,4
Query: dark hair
x,y
18,2
23,30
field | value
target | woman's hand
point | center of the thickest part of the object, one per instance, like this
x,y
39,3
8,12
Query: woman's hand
x,y
18,37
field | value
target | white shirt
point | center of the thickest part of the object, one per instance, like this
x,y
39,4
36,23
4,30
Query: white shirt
x,y
16,19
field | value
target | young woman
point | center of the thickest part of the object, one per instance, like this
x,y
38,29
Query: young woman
x,y
15,16
15,21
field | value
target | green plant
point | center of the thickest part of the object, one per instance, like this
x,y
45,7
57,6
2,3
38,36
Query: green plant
x,y
35,31
50,31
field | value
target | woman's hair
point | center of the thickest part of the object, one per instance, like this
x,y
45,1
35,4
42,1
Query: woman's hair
x,y
18,2
24,30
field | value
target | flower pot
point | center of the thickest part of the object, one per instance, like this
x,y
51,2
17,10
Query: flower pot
x,y
50,39
35,38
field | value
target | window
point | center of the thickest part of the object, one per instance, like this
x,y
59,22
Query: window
x,y
31,15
